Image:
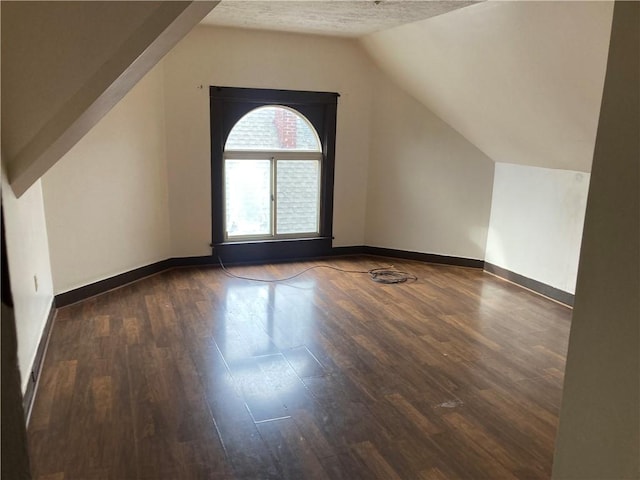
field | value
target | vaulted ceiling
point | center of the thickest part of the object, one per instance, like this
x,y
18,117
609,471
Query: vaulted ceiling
x,y
66,64
520,80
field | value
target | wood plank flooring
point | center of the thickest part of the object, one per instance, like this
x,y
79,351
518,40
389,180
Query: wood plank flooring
x,y
191,374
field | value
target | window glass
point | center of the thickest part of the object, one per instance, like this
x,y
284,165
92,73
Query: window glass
x,y
298,186
273,129
248,197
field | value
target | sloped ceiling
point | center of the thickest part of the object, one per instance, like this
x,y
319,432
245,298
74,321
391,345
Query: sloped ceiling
x,y
65,64
344,18
520,80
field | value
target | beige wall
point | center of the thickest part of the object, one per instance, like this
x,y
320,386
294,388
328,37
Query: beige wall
x,y
28,256
521,80
599,432
245,58
136,189
429,189
106,201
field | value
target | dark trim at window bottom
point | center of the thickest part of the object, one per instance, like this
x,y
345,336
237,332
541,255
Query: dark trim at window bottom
x,y
272,250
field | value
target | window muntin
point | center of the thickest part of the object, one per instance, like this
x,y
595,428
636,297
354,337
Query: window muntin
x,y
285,202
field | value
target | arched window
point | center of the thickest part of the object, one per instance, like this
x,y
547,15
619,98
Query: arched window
x,y
272,169
272,166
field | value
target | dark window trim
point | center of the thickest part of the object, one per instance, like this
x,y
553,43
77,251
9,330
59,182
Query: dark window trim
x,y
230,104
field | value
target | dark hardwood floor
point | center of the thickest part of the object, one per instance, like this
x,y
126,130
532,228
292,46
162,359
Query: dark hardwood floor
x,y
191,374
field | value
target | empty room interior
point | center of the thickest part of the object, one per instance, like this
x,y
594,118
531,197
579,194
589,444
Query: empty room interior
x,y
384,239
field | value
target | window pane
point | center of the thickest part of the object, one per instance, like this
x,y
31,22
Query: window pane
x,y
248,197
272,129
298,190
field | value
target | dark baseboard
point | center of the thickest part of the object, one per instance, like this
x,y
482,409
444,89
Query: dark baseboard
x,y
342,251
96,288
203,261
27,398
423,257
255,255
538,287
82,293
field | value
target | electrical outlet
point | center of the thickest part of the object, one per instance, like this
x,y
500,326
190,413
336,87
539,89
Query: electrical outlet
x,y
35,282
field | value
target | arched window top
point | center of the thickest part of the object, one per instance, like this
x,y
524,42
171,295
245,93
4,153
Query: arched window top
x,y
273,128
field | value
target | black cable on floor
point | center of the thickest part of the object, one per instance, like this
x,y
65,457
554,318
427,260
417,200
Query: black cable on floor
x,y
390,275
387,275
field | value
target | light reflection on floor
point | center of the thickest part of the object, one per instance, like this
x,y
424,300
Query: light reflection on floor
x,y
260,334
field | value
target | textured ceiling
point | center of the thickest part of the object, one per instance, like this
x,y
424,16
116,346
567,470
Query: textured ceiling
x,y
344,18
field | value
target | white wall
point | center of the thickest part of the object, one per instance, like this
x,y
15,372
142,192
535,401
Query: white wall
x,y
537,215
28,256
245,58
521,80
106,201
429,188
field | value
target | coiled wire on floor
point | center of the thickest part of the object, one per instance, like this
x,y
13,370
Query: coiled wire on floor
x,y
387,275
390,275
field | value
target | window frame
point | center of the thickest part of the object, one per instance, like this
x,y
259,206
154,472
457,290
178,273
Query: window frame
x,y
273,156
227,106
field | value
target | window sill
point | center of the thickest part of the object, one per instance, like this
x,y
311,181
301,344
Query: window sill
x,y
271,240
